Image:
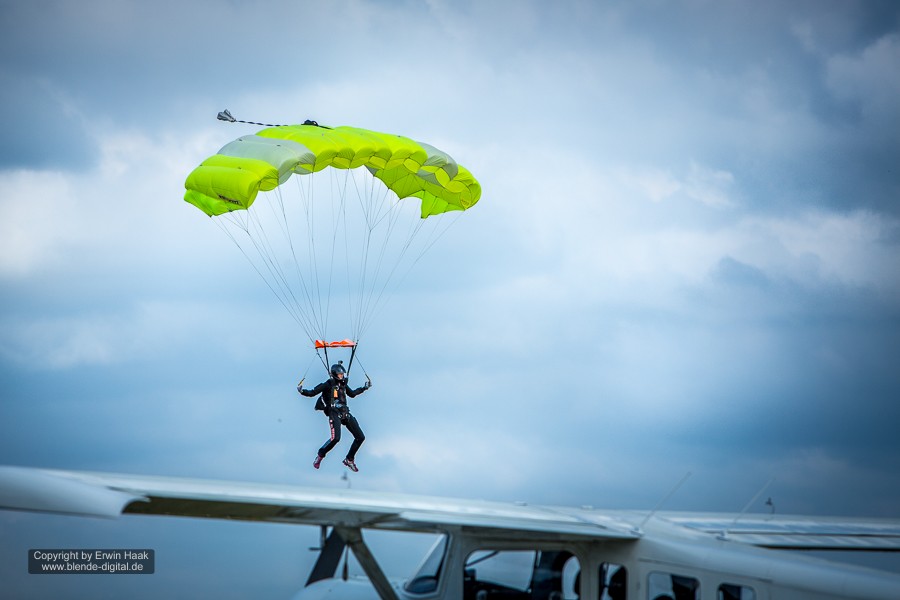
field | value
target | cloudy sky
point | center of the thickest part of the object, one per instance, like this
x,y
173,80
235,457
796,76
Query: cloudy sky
x,y
684,260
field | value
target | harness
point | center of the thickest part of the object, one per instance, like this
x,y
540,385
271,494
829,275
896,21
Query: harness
x,y
339,401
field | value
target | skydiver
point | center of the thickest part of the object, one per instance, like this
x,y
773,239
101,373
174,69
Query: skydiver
x,y
333,401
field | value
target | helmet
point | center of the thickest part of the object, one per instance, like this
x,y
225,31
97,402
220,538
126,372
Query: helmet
x,y
338,369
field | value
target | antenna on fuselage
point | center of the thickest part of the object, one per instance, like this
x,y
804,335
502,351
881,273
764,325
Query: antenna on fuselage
x,y
724,534
640,528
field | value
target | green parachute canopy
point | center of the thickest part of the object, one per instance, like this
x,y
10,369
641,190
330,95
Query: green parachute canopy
x,y
330,242
231,179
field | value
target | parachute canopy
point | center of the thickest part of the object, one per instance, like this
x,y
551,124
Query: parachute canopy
x,y
231,179
332,244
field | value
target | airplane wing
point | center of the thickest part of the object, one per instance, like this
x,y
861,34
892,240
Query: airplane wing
x,y
348,512
792,532
109,495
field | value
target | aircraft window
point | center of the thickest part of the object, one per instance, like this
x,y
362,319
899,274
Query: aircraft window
x,y
427,576
571,579
665,586
614,579
521,575
730,591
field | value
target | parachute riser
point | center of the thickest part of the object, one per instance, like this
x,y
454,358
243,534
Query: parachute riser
x,y
324,361
352,355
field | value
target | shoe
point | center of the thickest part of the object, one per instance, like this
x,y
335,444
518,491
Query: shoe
x,y
351,465
317,462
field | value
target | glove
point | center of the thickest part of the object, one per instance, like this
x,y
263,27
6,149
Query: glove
x,y
368,384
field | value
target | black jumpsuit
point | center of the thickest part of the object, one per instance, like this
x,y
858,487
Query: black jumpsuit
x,y
334,403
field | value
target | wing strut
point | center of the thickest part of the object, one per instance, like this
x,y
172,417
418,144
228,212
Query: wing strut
x,y
354,539
330,552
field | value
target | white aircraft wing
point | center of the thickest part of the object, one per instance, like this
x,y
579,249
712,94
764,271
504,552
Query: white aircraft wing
x,y
109,495
791,532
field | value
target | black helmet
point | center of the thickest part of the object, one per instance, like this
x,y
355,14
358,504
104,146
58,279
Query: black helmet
x,y
338,369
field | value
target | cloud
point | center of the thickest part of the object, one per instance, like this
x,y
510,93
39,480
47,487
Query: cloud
x,y
869,80
855,249
684,258
733,272
48,130
125,334
38,210
62,220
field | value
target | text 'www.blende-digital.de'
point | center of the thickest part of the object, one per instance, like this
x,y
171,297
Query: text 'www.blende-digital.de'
x,y
97,561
